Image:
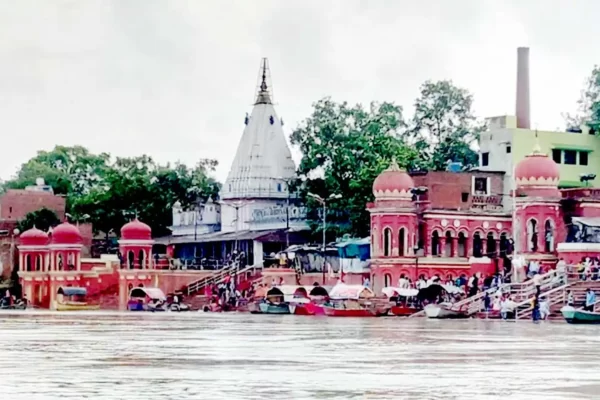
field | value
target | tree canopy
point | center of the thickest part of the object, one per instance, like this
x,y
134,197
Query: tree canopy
x,y
588,104
108,192
444,126
42,219
345,147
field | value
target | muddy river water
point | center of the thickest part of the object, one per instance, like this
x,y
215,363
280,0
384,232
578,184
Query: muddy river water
x,y
148,356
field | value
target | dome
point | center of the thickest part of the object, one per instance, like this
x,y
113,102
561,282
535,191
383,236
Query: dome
x,y
393,184
34,237
537,169
136,230
66,233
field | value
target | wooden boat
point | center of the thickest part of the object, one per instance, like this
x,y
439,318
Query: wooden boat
x,y
73,299
575,316
444,311
272,308
350,312
404,301
307,309
146,299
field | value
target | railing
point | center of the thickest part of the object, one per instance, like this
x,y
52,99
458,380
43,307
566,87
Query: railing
x,y
553,297
217,278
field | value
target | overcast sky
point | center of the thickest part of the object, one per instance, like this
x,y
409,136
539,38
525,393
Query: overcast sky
x,y
174,79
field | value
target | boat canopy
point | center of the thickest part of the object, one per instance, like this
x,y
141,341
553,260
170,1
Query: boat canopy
x,y
72,291
153,293
288,290
404,292
317,291
343,291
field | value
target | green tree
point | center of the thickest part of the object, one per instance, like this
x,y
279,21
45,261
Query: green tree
x,y
588,104
42,219
69,170
343,150
444,127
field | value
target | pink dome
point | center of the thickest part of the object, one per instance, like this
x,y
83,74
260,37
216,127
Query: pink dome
x,y
66,233
393,183
34,237
537,169
136,230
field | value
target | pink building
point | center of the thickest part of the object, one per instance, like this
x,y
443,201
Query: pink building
x,y
410,236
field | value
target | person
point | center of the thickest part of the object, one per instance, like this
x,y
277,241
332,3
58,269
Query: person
x,y
505,307
535,314
473,285
366,283
590,300
544,309
561,270
487,302
570,299
537,281
402,282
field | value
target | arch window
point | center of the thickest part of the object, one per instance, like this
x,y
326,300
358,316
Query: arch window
x,y
462,245
387,280
549,236
477,245
491,245
401,242
504,245
28,262
60,262
532,235
38,263
387,242
448,245
130,259
435,243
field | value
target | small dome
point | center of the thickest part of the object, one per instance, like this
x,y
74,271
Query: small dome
x,y
537,169
66,233
393,184
136,230
33,237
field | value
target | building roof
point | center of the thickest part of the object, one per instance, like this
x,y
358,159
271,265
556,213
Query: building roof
x,y
216,237
263,161
66,233
33,237
393,184
537,169
136,230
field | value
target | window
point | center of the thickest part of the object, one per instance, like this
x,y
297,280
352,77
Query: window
x,y
485,159
481,186
508,149
279,187
464,197
557,155
570,157
583,158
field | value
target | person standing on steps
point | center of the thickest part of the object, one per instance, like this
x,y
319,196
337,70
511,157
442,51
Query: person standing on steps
x,y
590,300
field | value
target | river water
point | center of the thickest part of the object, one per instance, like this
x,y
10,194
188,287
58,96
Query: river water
x,y
46,355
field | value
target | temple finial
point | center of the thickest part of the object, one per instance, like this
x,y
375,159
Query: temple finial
x,y
264,96
537,149
393,165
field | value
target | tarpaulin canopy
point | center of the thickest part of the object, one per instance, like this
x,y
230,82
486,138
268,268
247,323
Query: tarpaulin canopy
x,y
72,291
343,291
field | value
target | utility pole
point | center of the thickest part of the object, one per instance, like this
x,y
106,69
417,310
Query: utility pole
x,y
323,202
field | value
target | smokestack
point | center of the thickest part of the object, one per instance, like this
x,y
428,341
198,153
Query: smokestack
x,y
523,114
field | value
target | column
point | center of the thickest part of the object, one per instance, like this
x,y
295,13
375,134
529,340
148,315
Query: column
x,y
455,246
443,246
78,261
484,247
498,247
21,262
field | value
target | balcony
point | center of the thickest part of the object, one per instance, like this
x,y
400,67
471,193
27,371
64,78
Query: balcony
x,y
486,203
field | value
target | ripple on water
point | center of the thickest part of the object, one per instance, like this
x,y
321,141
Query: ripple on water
x,y
240,356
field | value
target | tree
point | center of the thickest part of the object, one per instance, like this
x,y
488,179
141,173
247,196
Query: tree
x,y
140,187
42,219
343,150
69,170
588,104
444,127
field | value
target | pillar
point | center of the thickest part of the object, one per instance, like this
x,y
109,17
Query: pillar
x,y
443,246
455,247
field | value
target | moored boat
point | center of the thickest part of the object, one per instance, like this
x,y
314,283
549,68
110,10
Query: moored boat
x,y
348,312
272,308
352,301
575,316
146,299
444,311
73,299
404,301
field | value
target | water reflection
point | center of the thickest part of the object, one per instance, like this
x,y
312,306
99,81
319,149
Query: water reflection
x,y
198,355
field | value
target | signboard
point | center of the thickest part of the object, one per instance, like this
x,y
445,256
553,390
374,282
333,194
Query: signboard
x,y
278,213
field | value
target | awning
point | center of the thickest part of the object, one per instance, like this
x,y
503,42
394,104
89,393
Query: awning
x,y
588,221
572,147
153,293
72,291
343,291
215,237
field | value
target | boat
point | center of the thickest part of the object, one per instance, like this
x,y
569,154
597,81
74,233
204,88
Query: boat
x,y
272,308
312,304
579,316
147,299
404,301
332,311
73,299
352,301
444,311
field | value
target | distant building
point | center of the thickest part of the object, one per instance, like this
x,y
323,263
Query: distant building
x,y
509,139
256,213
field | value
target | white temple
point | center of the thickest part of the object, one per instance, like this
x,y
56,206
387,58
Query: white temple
x,y
257,182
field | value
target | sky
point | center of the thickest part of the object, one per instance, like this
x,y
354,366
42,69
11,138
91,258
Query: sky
x,y
174,79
